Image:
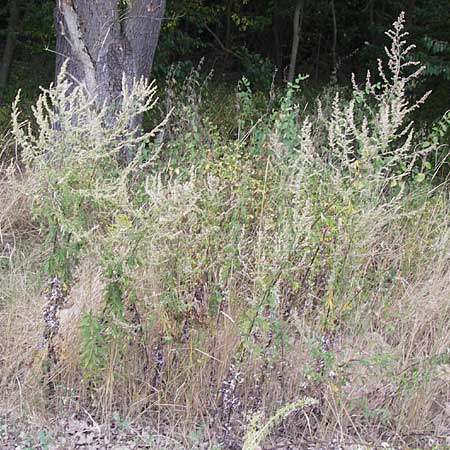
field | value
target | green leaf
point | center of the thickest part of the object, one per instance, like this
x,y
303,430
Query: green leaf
x,y
420,177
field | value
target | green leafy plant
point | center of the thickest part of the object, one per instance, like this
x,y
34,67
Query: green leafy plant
x,y
76,158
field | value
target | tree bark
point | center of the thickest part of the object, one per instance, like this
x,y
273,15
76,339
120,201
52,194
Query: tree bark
x,y
297,27
11,39
106,41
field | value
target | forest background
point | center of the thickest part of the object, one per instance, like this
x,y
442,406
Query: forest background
x,y
249,38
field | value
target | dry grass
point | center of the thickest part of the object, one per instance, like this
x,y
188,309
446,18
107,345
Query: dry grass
x,y
384,372
239,282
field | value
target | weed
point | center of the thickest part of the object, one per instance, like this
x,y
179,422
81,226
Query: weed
x,y
304,253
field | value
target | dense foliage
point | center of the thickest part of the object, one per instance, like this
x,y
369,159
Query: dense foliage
x,y
261,269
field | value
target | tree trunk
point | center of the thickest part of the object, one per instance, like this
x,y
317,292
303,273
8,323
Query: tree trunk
x,y
11,38
276,36
106,41
228,23
334,44
227,41
298,19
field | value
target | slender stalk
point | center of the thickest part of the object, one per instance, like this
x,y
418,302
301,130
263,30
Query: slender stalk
x,y
334,44
297,26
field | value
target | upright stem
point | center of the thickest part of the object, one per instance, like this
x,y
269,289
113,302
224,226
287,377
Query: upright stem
x,y
334,44
276,35
227,42
228,26
297,26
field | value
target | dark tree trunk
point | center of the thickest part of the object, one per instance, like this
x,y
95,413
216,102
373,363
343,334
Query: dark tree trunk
x,y
276,36
106,41
297,30
334,43
229,11
11,38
